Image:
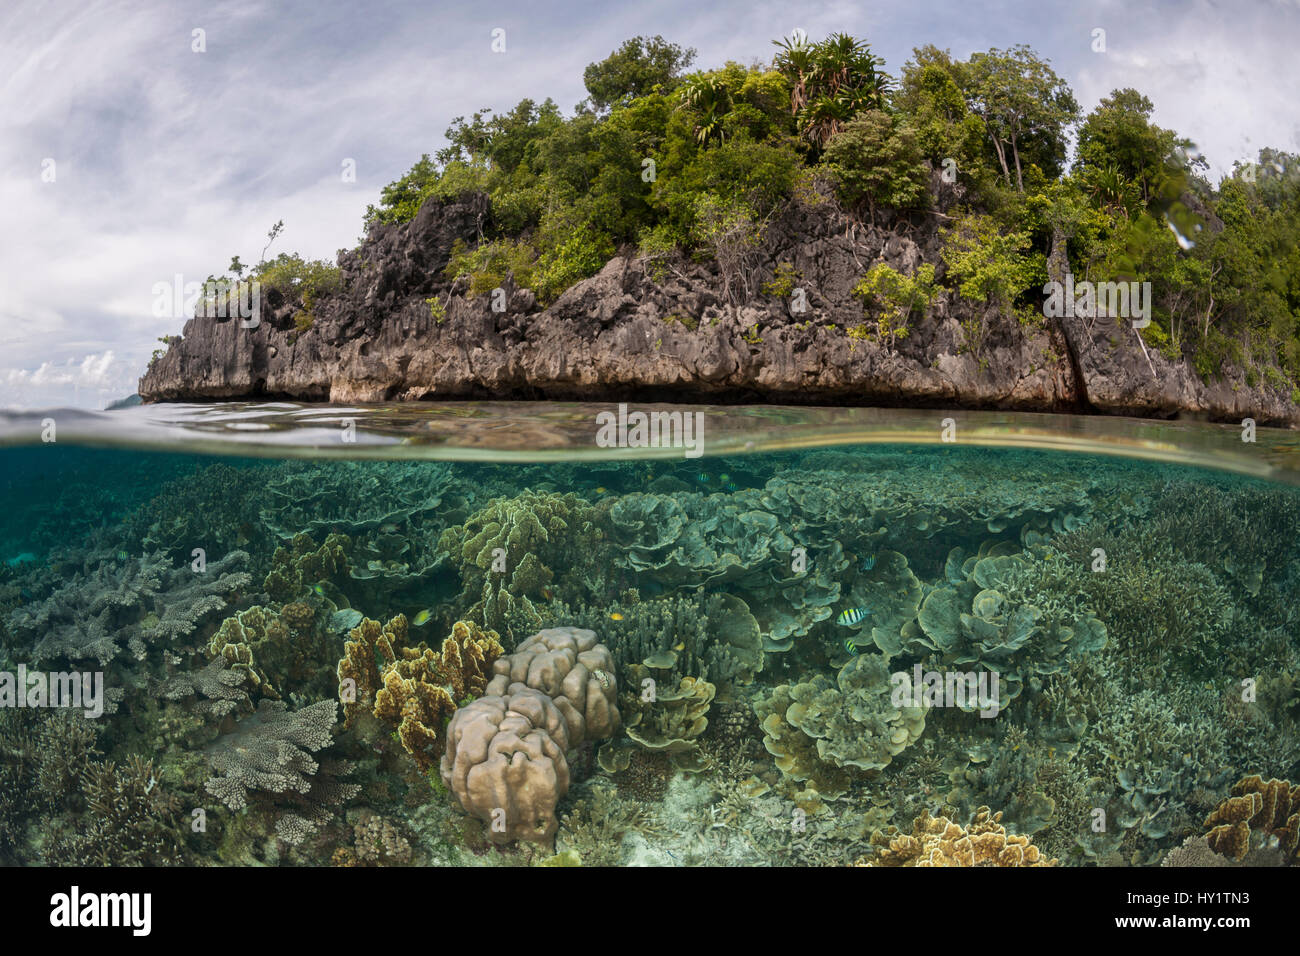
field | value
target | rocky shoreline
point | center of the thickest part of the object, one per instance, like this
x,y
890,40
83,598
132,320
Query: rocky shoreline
x,y
665,331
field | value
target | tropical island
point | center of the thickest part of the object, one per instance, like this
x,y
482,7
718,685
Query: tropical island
x,y
802,229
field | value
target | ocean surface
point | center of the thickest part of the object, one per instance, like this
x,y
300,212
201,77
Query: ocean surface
x,y
511,634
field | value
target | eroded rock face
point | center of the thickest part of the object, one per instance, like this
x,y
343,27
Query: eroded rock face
x,y
636,331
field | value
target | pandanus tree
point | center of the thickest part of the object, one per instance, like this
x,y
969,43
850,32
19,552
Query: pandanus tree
x,y
710,100
830,82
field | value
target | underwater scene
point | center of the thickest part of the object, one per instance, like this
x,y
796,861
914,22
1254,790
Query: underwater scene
x,y
886,654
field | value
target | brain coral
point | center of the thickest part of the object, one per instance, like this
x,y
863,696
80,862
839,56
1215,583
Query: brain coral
x,y
937,841
505,763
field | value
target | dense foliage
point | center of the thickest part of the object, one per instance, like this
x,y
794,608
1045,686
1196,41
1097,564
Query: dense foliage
x,y
697,163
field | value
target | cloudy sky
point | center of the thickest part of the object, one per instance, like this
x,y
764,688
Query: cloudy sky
x,y
126,157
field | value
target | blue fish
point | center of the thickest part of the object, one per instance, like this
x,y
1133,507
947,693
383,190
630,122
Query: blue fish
x,y
852,616
868,562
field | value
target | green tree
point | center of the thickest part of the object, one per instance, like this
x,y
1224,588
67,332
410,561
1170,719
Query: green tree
x,y
875,160
1025,106
635,69
895,296
830,83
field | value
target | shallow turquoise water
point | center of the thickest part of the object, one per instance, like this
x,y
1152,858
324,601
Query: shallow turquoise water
x,y
786,627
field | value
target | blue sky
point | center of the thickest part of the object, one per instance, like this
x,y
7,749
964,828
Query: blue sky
x,y
168,161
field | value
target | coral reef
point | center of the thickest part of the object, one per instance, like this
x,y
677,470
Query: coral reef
x,y
825,733
938,841
1259,813
131,603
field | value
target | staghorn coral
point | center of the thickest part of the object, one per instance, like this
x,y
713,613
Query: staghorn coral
x,y
938,841
131,820
1259,813
713,636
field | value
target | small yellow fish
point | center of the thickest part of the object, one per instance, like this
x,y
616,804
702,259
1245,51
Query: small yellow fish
x,y
601,491
422,618
680,647
615,616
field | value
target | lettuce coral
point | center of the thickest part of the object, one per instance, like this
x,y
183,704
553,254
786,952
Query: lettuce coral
x,y
828,734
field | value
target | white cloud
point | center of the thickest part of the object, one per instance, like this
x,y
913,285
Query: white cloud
x,y
172,161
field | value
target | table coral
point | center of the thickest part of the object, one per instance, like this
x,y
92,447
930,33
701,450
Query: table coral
x,y
938,841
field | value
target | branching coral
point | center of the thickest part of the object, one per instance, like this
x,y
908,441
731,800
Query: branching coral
x,y
136,602
414,690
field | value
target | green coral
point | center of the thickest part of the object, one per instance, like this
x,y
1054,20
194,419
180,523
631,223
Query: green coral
x,y
828,734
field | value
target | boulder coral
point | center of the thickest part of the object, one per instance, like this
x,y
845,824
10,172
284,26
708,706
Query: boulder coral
x,y
570,666
505,764
505,760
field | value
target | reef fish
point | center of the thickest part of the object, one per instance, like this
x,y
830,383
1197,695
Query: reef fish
x,y
851,647
852,616
868,562
422,618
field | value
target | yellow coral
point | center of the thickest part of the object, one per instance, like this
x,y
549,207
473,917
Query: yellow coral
x,y
937,841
